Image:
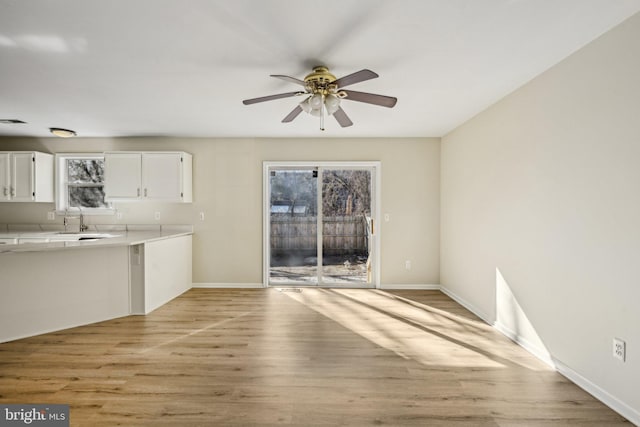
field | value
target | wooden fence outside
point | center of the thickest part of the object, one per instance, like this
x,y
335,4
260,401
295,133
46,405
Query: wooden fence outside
x,y
341,234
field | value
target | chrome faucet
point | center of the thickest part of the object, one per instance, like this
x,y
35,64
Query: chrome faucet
x,y
81,226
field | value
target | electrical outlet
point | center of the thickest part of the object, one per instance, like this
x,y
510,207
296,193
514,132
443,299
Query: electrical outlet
x,y
619,349
118,215
407,265
387,217
201,216
51,216
157,216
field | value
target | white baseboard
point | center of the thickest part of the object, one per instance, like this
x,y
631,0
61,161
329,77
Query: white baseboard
x,y
482,315
260,285
540,353
228,285
602,395
410,287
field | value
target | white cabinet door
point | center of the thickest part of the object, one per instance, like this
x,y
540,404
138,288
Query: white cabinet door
x,y
5,190
26,176
22,167
162,176
122,176
154,176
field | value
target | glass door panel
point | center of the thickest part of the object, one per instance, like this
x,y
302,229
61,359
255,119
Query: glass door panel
x,y
346,220
293,220
319,224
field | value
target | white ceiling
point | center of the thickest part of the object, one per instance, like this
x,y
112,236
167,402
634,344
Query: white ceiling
x,y
182,67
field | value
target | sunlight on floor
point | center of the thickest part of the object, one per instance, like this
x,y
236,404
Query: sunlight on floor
x,y
399,324
192,333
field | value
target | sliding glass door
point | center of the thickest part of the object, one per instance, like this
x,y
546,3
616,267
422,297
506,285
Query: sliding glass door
x,y
346,218
319,224
293,226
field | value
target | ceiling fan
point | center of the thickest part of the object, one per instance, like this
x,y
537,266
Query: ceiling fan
x,y
324,93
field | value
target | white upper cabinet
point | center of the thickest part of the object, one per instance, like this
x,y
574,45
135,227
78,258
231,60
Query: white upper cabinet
x,y
122,176
26,176
153,176
162,176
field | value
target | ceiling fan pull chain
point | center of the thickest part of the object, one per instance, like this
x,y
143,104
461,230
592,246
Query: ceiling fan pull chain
x,y
322,113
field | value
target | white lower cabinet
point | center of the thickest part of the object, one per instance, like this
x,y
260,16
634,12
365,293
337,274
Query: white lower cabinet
x,y
153,176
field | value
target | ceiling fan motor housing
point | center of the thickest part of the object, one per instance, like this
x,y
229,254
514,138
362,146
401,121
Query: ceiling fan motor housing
x,y
320,81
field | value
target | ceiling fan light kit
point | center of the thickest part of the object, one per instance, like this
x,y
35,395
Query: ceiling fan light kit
x,y
325,93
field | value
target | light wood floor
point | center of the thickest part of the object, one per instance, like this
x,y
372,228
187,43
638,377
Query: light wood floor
x,y
319,357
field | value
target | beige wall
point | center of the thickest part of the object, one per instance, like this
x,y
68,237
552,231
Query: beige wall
x,y
227,246
544,187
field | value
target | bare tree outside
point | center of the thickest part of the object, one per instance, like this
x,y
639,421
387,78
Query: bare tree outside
x,y
346,192
85,181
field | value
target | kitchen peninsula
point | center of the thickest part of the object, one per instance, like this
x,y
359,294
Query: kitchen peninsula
x,y
57,282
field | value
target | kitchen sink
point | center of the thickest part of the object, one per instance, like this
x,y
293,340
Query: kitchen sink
x,y
67,236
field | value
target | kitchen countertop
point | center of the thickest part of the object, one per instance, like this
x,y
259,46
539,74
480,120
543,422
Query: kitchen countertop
x,y
124,235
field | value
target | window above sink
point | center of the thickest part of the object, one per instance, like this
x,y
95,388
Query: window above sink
x,y
80,184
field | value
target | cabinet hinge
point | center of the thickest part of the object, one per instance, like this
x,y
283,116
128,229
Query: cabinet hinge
x,y
33,194
33,159
181,194
181,161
